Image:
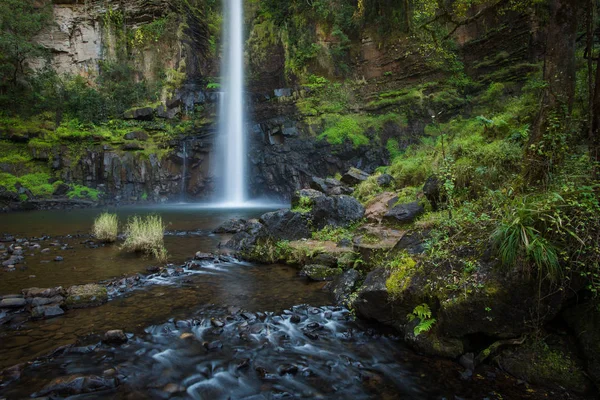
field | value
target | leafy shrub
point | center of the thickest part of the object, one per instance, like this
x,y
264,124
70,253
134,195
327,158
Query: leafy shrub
x,y
106,227
304,205
339,128
146,235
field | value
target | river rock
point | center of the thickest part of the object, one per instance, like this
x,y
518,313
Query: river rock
x,y
44,292
320,272
13,260
336,211
86,296
48,311
42,301
286,225
77,384
354,176
404,213
115,337
15,302
245,239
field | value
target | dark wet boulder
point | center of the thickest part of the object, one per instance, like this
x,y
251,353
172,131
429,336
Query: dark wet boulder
x,y
584,322
44,292
83,296
546,362
329,186
372,301
77,384
46,311
320,272
137,135
140,114
354,176
433,192
13,302
231,226
252,232
404,213
116,336
44,301
336,211
305,197
318,184
413,242
385,180
343,285
286,225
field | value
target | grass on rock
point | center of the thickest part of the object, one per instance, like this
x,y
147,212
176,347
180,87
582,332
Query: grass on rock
x,y
146,235
106,227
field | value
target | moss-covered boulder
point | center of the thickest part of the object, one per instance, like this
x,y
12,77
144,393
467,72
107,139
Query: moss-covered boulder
x,y
320,272
84,296
555,366
584,321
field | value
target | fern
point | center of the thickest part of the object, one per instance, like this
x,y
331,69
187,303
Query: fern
x,y
425,316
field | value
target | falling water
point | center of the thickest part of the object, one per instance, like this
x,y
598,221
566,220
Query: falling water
x,y
184,171
232,113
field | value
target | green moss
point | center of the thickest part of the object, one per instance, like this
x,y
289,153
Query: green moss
x,y
83,192
402,269
344,127
304,205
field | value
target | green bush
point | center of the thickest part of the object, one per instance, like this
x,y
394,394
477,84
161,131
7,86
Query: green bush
x,y
83,192
339,128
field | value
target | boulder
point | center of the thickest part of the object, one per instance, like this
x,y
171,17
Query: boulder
x,y
431,343
432,191
246,238
231,226
378,207
354,176
413,242
385,180
140,114
343,285
13,302
372,301
83,296
404,213
43,292
552,365
46,311
336,211
329,186
310,194
43,301
286,225
137,135
584,321
115,337
320,272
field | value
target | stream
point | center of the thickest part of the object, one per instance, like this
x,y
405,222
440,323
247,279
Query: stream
x,y
228,330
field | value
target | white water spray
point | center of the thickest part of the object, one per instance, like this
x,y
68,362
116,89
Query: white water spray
x,y
232,138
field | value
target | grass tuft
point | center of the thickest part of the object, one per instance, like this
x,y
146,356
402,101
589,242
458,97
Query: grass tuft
x,y
106,227
146,235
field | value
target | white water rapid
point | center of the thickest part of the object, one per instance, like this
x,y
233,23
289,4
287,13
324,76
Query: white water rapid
x,y
232,139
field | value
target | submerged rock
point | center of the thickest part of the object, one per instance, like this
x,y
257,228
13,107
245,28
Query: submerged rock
x,y
14,302
320,272
48,311
77,384
116,336
86,296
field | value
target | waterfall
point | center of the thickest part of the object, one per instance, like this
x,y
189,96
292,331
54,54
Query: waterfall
x,y
232,138
184,170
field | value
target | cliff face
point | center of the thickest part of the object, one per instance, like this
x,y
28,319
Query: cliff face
x,y
286,119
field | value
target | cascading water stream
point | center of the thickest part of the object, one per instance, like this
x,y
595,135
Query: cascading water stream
x,y
232,138
184,170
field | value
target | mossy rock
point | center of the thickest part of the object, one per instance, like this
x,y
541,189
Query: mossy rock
x,y
84,296
553,366
431,343
320,272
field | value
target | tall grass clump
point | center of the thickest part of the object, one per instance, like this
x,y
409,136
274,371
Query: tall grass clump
x,y
146,235
106,227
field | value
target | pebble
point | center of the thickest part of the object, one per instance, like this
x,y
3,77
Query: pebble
x,y
58,258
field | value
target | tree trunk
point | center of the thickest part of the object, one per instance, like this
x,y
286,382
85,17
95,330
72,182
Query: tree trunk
x,y
557,99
